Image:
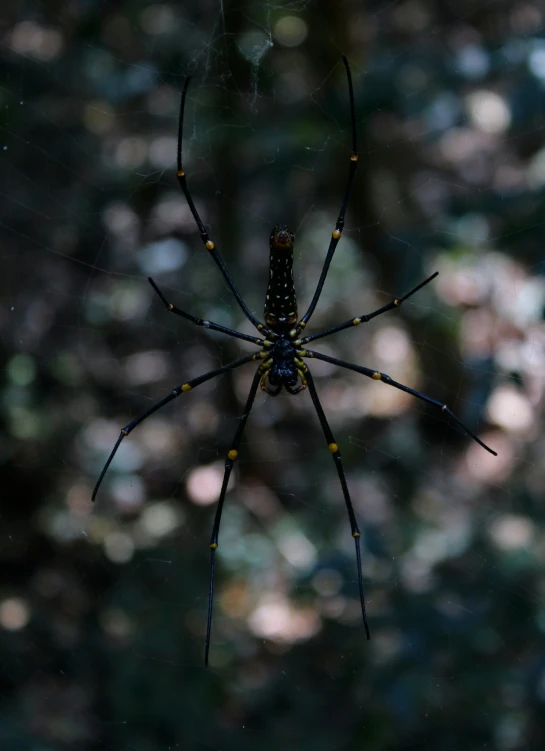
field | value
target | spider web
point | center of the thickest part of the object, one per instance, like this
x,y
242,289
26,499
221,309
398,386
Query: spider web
x,y
103,609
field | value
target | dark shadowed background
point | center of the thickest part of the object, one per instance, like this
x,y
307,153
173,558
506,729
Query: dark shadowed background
x,y
103,606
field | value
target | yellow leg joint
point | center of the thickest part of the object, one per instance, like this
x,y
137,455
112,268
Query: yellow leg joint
x,y
376,376
354,158
124,432
336,234
444,408
213,545
356,534
186,387
180,173
170,306
232,454
209,245
333,447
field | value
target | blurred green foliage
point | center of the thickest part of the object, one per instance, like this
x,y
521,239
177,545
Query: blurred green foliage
x,y
102,608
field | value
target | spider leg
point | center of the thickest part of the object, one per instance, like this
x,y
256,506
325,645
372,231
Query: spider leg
x,y
183,388
366,316
336,454
229,462
378,376
208,243
206,324
337,232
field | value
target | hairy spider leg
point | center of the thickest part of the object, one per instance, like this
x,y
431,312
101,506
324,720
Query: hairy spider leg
x,y
208,243
336,454
232,456
182,389
376,375
366,317
339,226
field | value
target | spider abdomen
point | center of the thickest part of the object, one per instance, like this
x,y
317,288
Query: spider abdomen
x,y
280,301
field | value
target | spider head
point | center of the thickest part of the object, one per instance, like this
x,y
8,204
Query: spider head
x,y
282,237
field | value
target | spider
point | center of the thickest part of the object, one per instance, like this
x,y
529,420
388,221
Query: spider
x,y
283,349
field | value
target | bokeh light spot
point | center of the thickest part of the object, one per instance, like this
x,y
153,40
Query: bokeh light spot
x,y
488,111
21,370
119,547
290,31
510,409
14,613
204,484
510,532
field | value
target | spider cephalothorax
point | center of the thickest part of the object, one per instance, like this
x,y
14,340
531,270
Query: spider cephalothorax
x,y
282,350
283,367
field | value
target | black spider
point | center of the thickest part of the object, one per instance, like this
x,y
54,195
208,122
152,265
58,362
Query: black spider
x,y
283,349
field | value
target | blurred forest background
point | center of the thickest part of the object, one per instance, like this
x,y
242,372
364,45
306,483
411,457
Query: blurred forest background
x,y
103,606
